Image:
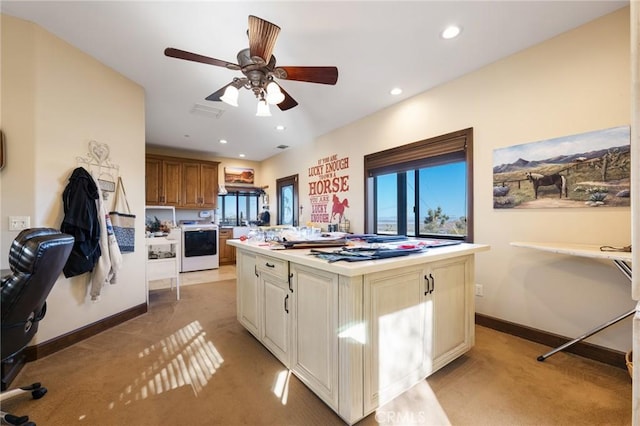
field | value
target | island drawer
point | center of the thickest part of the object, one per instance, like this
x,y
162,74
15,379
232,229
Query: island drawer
x,y
276,267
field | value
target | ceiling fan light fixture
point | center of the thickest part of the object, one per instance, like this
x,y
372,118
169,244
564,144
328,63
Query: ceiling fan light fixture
x,y
258,65
263,109
274,94
230,96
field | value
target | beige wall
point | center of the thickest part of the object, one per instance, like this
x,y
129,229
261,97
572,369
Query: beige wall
x,y
574,83
55,99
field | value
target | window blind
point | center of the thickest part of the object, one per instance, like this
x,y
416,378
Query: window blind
x,y
443,149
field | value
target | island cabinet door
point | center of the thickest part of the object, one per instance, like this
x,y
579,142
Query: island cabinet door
x,y
275,318
397,352
314,352
451,290
248,293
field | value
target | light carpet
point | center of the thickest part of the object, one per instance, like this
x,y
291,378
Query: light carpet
x,y
190,362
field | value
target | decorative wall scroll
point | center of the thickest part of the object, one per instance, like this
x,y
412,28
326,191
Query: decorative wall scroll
x,y
584,170
97,163
328,185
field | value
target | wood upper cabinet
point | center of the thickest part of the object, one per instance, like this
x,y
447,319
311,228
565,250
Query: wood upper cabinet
x,y
209,184
191,185
181,183
171,181
153,182
163,181
200,184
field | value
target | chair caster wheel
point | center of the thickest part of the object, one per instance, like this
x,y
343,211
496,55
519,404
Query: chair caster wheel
x,y
39,393
37,390
17,420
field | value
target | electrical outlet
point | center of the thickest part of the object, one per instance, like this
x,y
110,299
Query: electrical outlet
x,y
479,290
18,223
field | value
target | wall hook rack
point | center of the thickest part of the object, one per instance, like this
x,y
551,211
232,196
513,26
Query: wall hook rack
x,y
97,162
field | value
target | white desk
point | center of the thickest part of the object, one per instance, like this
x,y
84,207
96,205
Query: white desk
x,y
164,267
621,259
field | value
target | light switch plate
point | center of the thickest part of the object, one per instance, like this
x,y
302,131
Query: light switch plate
x,y
18,223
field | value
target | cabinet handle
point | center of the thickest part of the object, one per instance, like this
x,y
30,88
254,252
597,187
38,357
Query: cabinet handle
x,y
255,270
433,284
290,288
426,287
286,303
268,265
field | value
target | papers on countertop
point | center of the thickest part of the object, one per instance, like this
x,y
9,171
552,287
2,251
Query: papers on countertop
x,y
375,251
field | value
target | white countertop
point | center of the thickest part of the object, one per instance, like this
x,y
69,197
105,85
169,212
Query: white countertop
x,y
351,269
583,250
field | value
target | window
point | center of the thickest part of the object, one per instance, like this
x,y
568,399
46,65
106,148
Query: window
x,y
423,189
237,208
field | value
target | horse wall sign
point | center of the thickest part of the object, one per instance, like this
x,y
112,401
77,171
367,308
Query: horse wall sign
x,y
584,170
328,184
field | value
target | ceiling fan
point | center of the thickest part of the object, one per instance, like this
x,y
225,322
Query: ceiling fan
x,y
259,69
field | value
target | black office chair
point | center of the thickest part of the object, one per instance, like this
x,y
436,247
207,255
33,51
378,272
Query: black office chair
x,y
36,258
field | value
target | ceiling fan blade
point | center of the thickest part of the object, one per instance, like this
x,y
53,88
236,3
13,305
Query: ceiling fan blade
x,y
182,54
288,102
323,75
262,38
215,96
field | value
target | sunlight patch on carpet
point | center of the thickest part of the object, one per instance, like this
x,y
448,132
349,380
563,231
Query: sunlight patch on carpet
x,y
281,386
185,358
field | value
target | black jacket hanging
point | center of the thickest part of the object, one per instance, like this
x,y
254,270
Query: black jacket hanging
x,y
81,221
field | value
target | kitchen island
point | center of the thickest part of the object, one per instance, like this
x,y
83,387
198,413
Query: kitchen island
x,y
358,334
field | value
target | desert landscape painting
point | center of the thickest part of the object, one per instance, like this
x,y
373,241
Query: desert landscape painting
x,y
584,170
238,175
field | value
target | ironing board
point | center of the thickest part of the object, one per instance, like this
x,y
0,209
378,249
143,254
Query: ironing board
x,y
621,259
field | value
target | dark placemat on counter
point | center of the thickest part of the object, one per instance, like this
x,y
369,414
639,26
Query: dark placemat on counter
x,y
361,254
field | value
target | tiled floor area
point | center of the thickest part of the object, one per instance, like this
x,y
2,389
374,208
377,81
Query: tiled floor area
x,y
225,272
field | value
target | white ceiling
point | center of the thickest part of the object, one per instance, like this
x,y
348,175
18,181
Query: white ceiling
x,y
376,45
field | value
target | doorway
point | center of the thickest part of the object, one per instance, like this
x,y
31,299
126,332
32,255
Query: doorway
x,y
287,190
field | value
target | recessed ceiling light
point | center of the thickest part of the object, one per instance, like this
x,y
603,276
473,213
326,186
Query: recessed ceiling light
x,y
450,32
223,141
280,128
241,156
396,91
